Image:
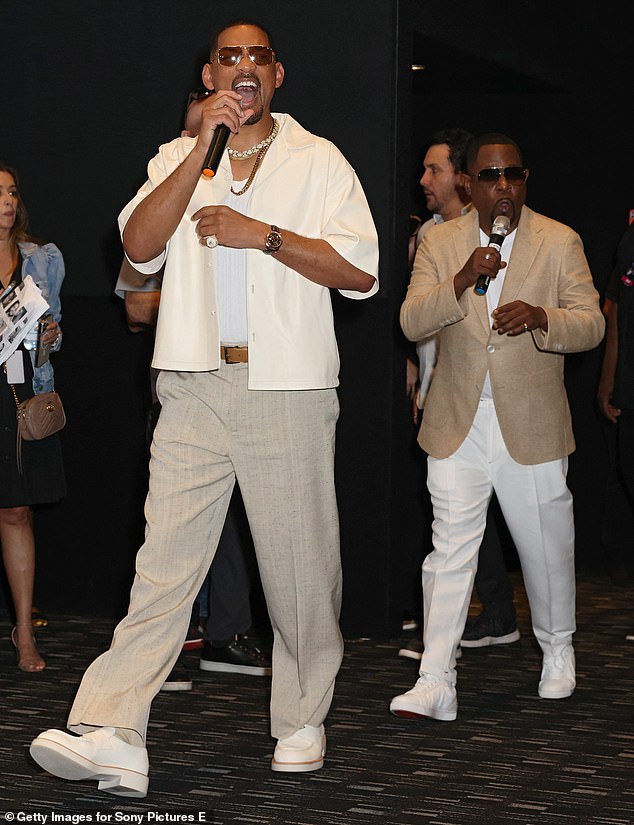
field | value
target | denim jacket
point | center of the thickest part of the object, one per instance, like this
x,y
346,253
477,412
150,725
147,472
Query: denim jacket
x,y
46,266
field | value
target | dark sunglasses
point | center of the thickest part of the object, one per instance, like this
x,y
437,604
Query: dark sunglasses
x,y
232,55
513,174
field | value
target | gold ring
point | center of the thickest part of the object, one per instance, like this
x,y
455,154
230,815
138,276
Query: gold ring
x,y
525,327
488,256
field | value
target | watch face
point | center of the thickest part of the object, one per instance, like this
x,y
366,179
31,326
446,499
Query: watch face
x,y
273,241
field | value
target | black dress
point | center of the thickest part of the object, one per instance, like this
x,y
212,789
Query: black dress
x,y
42,479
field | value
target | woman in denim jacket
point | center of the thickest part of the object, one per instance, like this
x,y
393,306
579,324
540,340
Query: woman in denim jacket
x,y
41,477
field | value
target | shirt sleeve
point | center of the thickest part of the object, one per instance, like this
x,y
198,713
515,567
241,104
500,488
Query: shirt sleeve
x,y
131,280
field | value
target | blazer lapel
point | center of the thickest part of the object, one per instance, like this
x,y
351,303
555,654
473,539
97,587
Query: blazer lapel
x,y
525,247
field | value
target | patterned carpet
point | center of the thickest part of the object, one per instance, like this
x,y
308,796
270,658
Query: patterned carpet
x,y
508,758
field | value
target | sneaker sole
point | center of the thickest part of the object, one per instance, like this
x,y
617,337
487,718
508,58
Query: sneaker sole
x,y
409,654
193,644
407,711
562,693
223,667
487,641
66,764
406,653
171,687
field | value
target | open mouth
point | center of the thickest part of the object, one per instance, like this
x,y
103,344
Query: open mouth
x,y
248,89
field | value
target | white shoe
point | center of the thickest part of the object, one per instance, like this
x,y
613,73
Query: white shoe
x,y
303,751
120,768
558,675
431,697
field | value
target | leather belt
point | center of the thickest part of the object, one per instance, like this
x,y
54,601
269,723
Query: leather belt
x,y
234,355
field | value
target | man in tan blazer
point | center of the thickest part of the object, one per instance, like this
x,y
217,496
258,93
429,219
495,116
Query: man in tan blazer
x,y
497,415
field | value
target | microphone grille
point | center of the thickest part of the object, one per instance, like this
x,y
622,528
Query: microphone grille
x,y
501,225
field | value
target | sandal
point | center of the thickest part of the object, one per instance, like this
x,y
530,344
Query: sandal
x,y
38,619
30,662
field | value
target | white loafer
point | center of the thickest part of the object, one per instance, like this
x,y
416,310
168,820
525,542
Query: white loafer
x,y
303,751
119,768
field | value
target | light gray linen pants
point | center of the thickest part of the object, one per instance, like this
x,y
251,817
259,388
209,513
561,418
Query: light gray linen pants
x,y
280,446
538,510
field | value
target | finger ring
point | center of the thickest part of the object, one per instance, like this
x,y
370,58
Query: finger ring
x,y
488,256
211,241
525,327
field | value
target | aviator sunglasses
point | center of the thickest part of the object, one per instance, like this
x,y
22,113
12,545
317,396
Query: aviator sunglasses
x,y
513,174
232,55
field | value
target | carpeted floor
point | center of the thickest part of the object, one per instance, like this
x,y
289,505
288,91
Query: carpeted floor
x,y
508,758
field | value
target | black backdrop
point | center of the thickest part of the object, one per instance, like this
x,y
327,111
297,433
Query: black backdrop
x,y
89,94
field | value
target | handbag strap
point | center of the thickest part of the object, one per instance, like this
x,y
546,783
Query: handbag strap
x,y
15,395
18,443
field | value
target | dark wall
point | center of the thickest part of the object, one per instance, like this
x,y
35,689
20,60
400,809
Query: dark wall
x,y
90,98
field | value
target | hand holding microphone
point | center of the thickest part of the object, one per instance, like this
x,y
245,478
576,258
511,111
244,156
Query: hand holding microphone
x,y
225,105
499,231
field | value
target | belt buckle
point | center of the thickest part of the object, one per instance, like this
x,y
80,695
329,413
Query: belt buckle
x,y
228,355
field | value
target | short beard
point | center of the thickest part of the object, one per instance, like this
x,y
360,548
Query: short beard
x,y
256,117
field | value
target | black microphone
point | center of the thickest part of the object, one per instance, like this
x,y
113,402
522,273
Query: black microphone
x,y
499,231
216,148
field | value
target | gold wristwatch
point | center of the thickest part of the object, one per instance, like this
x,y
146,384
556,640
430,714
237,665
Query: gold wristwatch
x,y
273,241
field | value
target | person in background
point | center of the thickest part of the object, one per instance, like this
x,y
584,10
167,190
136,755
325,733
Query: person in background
x,y
249,366
497,417
443,182
615,396
41,478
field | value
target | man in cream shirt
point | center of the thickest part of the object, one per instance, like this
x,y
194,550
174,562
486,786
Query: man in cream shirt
x,y
249,367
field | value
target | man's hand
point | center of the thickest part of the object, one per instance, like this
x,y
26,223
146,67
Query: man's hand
x,y
484,260
604,400
231,228
412,386
518,317
221,107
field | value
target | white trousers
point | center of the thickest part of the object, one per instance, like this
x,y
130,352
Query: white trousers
x,y
280,446
537,507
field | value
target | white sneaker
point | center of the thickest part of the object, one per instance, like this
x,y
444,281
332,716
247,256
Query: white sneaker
x,y
431,697
120,768
303,751
558,675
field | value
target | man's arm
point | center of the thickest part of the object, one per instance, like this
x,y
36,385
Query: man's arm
x,y
605,389
319,262
313,258
141,309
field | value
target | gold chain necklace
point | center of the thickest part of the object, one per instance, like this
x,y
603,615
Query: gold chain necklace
x,y
259,157
256,166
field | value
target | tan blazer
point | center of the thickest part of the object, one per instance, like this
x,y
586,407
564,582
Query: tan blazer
x,y
547,268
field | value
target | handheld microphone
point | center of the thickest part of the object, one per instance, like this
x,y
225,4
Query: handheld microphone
x,y
216,148
499,231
